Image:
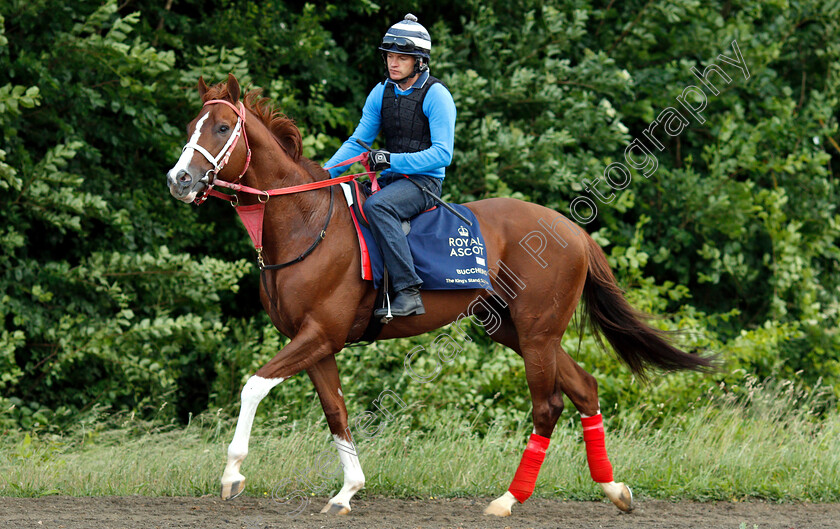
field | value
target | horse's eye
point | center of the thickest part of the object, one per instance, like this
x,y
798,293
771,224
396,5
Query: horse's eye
x,y
223,129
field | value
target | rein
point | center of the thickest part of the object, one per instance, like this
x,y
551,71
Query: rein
x,y
252,216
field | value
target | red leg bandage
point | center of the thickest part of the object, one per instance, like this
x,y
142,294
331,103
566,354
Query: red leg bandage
x,y
596,452
525,478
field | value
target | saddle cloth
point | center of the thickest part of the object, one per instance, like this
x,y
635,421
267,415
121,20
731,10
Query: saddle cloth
x,y
447,253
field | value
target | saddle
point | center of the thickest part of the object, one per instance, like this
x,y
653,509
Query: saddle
x,y
448,253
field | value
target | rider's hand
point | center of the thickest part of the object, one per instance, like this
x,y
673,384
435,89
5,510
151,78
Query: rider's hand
x,y
380,160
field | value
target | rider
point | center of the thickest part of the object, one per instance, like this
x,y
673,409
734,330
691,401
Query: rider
x,y
417,115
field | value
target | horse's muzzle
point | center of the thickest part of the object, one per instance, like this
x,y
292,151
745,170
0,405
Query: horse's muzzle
x,y
183,186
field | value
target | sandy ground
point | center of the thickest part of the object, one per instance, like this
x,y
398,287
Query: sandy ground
x,y
58,512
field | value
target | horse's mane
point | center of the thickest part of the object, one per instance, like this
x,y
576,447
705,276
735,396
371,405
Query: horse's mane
x,y
282,127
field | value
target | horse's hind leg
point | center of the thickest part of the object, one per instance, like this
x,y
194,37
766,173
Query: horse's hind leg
x,y
540,371
582,390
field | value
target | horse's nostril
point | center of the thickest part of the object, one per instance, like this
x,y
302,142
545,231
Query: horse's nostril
x,y
183,177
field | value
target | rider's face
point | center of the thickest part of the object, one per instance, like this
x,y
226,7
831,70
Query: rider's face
x,y
400,66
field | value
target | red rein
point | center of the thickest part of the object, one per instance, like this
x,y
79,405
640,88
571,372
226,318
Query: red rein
x,y
240,113
252,216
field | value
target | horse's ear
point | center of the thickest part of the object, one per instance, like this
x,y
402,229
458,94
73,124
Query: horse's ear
x,y
233,88
202,88
291,142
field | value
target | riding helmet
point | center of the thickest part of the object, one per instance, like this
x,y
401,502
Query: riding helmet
x,y
408,37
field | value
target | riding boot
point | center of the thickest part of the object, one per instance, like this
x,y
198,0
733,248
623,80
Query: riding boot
x,y
407,302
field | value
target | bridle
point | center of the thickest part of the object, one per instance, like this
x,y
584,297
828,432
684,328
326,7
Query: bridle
x,y
252,216
220,161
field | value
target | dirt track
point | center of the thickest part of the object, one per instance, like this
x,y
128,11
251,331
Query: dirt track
x,y
257,513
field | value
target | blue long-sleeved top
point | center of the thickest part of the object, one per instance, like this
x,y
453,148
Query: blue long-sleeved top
x,y
438,107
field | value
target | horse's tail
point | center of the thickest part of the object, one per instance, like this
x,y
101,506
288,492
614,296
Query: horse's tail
x,y
637,343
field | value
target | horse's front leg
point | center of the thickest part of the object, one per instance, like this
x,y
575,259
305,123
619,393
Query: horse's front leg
x,y
305,349
327,383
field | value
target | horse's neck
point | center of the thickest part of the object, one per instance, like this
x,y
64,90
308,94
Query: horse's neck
x,y
271,167
288,217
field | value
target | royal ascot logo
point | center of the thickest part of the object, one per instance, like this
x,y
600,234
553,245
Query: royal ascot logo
x,y
465,245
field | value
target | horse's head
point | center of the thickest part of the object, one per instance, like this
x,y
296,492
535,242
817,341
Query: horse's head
x,y
213,143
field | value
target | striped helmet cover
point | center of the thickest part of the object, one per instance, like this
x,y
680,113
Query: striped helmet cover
x,y
418,39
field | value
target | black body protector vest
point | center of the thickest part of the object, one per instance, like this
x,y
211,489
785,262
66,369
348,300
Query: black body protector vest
x,y
404,124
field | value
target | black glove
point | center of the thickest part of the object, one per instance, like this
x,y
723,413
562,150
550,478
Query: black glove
x,y
379,160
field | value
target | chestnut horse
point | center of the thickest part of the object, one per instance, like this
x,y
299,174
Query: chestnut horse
x,y
540,265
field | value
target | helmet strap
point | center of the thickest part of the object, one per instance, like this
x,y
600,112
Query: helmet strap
x,y
420,66
404,79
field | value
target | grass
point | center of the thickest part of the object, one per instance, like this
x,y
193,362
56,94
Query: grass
x,y
768,444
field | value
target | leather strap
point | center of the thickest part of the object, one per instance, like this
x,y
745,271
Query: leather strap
x,y
314,245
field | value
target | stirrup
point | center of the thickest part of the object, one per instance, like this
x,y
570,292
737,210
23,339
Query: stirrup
x,y
387,317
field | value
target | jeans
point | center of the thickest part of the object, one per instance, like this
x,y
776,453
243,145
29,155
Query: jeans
x,y
398,200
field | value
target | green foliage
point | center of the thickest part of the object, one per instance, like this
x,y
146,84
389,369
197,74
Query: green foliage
x,y
115,296
102,300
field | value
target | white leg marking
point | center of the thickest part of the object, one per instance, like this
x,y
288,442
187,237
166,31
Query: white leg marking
x,y
254,391
354,478
501,506
620,494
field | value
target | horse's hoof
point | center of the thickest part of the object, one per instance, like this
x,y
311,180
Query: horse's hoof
x,y
497,508
620,494
336,509
233,490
